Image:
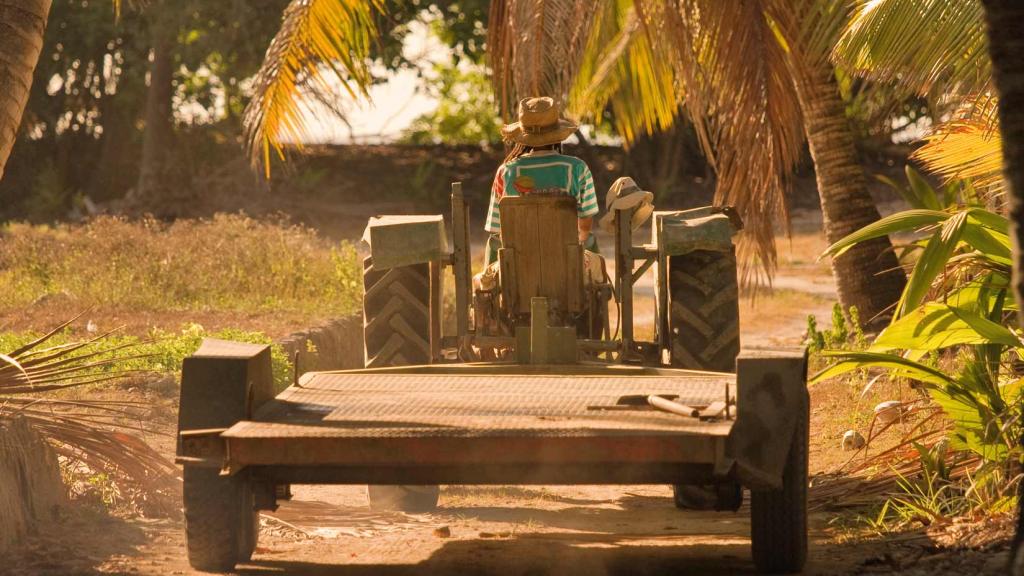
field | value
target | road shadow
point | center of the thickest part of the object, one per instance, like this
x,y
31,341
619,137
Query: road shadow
x,y
543,555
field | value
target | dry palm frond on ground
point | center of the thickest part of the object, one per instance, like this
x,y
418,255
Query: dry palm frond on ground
x,y
93,435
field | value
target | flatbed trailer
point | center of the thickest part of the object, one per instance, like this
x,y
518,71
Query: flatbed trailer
x,y
489,423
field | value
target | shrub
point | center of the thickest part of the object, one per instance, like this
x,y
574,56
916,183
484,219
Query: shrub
x,y
229,262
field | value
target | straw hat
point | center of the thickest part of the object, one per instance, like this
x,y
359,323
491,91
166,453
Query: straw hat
x,y
623,195
539,123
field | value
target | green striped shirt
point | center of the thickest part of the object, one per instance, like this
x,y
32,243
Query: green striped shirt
x,y
543,171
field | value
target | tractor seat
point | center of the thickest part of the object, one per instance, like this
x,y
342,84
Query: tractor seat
x,y
541,255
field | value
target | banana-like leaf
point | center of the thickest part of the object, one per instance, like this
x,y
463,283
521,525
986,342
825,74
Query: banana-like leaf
x,y
1011,391
990,219
905,221
926,196
935,326
931,263
990,245
901,367
981,294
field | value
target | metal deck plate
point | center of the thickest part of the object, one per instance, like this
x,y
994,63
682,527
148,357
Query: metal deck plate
x,y
381,405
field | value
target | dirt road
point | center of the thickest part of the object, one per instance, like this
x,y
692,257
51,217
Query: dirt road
x,y
592,530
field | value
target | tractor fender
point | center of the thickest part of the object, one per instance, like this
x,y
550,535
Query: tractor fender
x,y
404,240
677,233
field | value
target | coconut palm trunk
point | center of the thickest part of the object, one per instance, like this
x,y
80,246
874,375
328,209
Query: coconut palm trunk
x,y
868,276
1005,20
22,23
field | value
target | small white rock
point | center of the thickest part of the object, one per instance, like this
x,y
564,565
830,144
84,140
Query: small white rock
x,y
852,440
888,412
91,327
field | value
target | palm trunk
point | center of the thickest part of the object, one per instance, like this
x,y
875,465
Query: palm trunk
x,y
868,276
22,23
1006,45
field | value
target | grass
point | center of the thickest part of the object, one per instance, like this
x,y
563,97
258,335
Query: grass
x,y
227,263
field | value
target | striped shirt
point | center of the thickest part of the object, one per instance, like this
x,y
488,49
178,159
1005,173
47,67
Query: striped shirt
x,y
543,171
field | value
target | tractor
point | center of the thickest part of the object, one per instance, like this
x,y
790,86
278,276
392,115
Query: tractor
x,y
530,384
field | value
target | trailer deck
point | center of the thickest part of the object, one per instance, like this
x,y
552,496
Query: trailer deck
x,y
485,424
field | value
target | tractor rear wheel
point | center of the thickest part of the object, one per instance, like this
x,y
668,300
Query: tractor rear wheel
x,y
221,521
396,332
778,518
396,315
704,311
704,334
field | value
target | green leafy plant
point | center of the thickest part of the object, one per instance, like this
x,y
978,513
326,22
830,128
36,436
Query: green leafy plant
x,y
952,335
841,335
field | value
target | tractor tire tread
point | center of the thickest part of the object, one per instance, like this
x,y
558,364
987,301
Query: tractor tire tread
x,y
704,327
396,315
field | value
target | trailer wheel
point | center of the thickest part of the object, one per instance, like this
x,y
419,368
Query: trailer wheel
x,y
724,497
778,518
396,330
221,522
412,499
396,315
704,311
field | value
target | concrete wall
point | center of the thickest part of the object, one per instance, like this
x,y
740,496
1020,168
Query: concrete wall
x,y
334,345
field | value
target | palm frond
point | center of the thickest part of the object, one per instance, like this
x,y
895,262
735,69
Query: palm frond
x,y
924,46
740,94
95,433
621,69
319,41
965,149
536,47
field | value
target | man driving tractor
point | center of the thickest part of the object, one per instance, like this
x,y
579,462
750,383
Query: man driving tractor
x,y
536,165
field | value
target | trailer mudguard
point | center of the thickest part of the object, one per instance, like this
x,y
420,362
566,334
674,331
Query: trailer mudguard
x,y
223,383
771,390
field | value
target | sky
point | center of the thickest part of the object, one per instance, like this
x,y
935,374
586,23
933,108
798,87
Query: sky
x,y
393,105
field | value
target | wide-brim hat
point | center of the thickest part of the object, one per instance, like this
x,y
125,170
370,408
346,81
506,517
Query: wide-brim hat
x,y
539,124
625,194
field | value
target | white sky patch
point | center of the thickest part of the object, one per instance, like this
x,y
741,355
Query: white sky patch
x,y
394,103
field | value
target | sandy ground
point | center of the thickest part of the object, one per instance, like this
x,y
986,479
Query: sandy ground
x,y
532,530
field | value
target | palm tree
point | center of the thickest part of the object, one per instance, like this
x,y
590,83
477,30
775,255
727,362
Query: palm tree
x,y
869,278
22,23
319,41
746,89
1005,20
